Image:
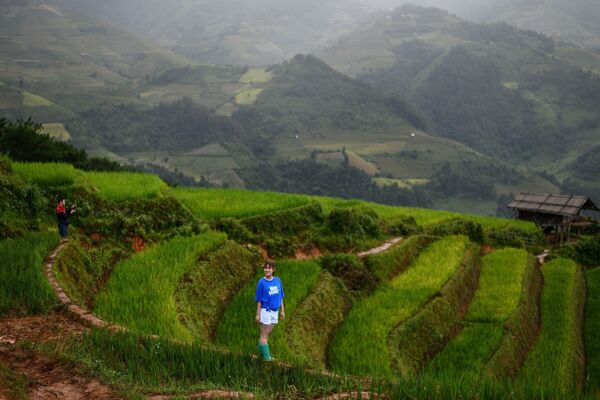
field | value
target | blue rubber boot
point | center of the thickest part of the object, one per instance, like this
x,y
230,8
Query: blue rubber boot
x,y
264,351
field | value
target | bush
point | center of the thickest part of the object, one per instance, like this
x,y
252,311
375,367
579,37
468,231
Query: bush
x,y
351,271
588,251
404,226
281,247
458,227
354,222
234,229
287,222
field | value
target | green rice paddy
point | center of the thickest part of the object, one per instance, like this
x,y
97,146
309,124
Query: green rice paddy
x,y
140,293
360,345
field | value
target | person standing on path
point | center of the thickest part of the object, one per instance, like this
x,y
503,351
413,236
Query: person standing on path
x,y
62,215
269,307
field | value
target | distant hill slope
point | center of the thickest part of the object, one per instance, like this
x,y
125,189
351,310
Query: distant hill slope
x,y
68,60
258,32
506,92
574,21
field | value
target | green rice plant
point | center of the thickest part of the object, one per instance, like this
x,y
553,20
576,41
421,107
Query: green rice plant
x,y
466,355
235,203
499,286
386,265
556,361
495,301
360,345
205,291
592,328
13,384
165,366
123,186
24,288
140,293
417,339
238,329
310,329
48,174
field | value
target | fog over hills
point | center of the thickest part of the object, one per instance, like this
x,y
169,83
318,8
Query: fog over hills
x,y
261,32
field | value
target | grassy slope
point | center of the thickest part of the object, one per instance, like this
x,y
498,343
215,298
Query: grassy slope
x,y
555,362
360,345
237,328
592,327
140,291
24,288
495,300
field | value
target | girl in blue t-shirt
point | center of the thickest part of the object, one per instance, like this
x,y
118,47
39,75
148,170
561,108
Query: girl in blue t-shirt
x,y
269,306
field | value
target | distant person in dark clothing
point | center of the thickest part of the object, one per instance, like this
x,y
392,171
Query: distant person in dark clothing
x,y
62,215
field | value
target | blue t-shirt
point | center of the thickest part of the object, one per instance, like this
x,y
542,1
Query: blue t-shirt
x,y
269,293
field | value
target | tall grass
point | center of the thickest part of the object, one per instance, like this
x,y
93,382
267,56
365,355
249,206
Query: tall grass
x,y
499,286
235,203
48,174
238,329
496,299
24,288
140,291
360,345
311,327
555,361
122,186
166,366
592,329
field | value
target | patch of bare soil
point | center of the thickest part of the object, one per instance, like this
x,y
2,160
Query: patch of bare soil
x,y
38,329
51,380
308,253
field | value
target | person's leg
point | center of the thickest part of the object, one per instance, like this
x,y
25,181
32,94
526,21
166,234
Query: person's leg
x,y
62,230
265,331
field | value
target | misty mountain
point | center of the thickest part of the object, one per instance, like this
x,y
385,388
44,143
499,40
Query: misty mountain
x,y
258,32
575,21
506,92
52,61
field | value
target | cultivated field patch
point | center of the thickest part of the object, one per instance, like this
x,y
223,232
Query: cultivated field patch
x,y
235,203
556,360
238,329
140,293
360,345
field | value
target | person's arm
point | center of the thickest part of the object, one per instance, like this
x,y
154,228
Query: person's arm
x,y
282,310
258,306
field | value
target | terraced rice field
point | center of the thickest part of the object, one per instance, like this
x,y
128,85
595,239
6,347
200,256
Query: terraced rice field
x,y
495,301
140,291
237,328
360,345
556,360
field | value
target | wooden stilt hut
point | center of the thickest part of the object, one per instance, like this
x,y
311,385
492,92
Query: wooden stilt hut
x,y
553,211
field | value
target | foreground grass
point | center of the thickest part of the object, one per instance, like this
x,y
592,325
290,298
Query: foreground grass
x,y
592,329
140,291
129,360
235,203
238,329
555,362
360,345
24,288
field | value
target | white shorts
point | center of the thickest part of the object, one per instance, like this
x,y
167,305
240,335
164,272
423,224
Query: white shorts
x,y
268,317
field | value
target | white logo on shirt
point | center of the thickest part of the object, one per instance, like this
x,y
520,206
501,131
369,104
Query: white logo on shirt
x,y
273,290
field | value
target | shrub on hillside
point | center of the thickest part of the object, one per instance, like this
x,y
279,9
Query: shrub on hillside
x,y
514,237
234,229
354,222
281,247
286,222
586,251
404,226
351,271
458,226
